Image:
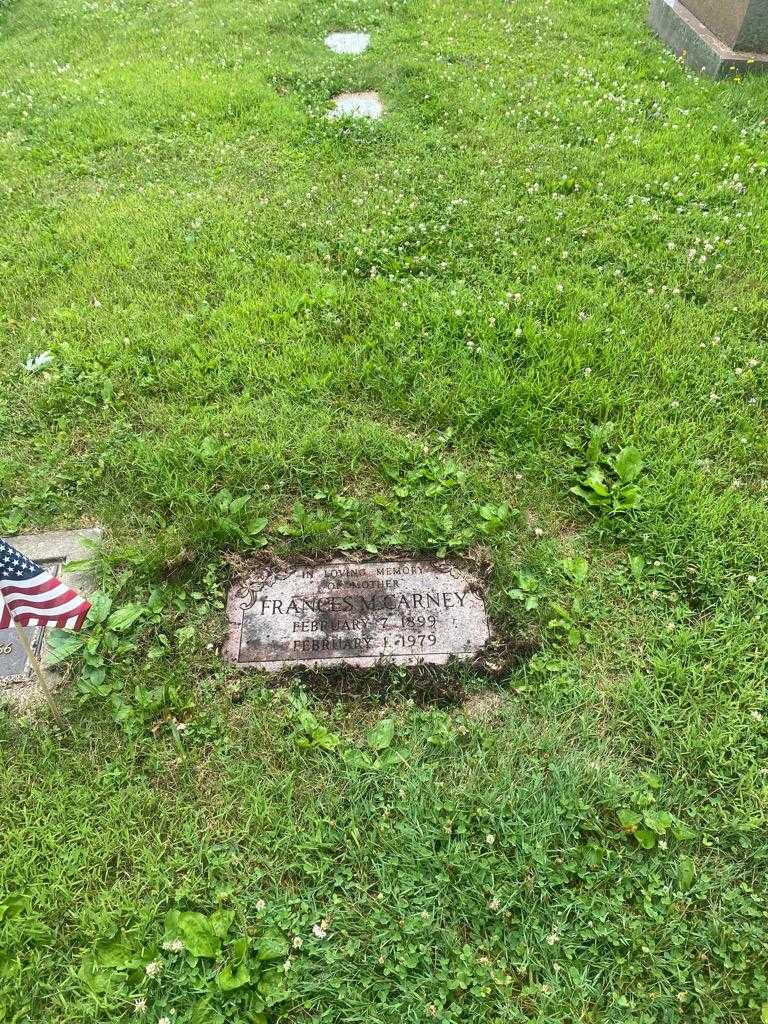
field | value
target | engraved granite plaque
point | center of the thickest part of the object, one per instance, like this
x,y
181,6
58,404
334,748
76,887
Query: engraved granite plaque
x,y
358,614
13,658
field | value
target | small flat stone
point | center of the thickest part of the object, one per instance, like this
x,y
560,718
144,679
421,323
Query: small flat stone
x,y
357,104
361,614
348,42
13,658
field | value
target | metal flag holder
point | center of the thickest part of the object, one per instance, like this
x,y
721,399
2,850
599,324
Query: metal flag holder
x,y
37,668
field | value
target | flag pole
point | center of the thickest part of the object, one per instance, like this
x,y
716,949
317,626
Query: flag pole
x,y
39,671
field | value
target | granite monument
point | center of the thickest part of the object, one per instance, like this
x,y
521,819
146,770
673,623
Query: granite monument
x,y
719,38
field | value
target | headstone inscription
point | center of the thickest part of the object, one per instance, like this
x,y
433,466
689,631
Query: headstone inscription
x,y
361,614
719,38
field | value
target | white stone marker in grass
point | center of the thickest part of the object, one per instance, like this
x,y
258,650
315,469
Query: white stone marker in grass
x,y
357,104
348,42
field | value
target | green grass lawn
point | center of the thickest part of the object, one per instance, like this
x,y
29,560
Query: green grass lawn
x,y
407,335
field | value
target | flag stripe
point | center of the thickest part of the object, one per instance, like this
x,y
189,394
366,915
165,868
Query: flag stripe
x,y
63,598
41,588
31,581
30,619
53,613
31,596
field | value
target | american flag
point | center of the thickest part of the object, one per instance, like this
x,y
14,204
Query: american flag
x,y
31,596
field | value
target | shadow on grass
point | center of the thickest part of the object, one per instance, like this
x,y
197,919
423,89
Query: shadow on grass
x,y
427,685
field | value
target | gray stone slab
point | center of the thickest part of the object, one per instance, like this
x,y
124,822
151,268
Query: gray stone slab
x,y
348,42
701,50
740,24
53,551
357,104
753,34
362,614
14,667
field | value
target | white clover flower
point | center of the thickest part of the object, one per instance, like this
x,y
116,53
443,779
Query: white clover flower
x,y
494,904
552,939
490,839
320,930
153,969
164,1020
260,905
140,1006
173,946
298,942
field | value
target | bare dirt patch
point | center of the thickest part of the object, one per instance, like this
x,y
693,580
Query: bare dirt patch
x,y
485,706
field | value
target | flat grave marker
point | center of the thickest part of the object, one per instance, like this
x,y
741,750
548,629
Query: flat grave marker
x,y
14,667
362,614
348,42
